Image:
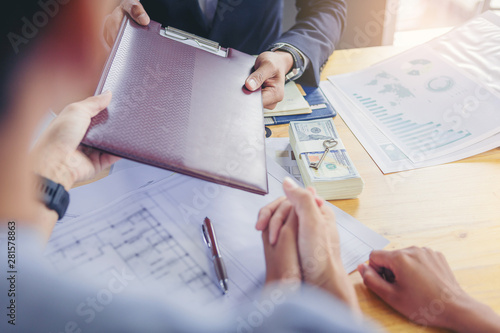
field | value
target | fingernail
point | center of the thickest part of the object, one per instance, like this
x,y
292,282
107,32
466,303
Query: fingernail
x,y
107,92
252,83
289,184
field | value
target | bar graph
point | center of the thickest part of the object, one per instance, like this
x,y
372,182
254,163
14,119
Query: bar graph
x,y
414,136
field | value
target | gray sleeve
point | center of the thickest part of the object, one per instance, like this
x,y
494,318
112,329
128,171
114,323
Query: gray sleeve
x,y
318,28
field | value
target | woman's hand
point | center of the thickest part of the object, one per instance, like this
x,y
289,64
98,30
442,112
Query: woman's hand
x,y
317,239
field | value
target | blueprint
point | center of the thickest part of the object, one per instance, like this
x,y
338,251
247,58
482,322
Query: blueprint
x,y
153,232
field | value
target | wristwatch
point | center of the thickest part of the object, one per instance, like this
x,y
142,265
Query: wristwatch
x,y
53,195
298,61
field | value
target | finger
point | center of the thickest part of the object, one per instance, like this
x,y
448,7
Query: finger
x,y
263,70
266,212
375,282
302,200
272,95
95,104
108,160
319,201
101,160
277,220
265,242
312,190
268,100
111,26
136,11
381,258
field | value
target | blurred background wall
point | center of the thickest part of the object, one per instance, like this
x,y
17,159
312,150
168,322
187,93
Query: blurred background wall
x,y
376,22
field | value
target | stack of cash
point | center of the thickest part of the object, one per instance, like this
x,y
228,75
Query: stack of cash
x,y
336,176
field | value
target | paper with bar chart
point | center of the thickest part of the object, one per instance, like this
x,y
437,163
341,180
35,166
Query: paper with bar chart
x,y
426,106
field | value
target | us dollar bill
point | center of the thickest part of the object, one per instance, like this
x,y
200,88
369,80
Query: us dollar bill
x,y
322,129
337,165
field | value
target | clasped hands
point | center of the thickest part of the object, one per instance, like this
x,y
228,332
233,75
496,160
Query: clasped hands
x,y
301,243
270,67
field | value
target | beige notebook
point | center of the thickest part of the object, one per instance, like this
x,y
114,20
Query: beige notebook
x,y
293,103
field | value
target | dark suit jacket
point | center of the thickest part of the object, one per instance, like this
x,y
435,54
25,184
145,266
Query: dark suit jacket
x,y
252,26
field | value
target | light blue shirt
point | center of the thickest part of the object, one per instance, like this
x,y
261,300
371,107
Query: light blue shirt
x,y
45,302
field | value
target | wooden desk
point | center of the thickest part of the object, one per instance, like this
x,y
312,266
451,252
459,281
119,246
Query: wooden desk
x,y
453,208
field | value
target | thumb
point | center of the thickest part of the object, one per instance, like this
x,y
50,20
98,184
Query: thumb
x,y
259,76
375,282
95,104
135,9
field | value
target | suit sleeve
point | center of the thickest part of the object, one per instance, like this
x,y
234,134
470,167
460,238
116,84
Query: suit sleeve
x,y
317,30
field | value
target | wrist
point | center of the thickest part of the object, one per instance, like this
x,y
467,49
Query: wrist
x,y
286,61
58,173
289,276
469,315
44,219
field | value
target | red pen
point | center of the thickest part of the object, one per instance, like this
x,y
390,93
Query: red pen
x,y
220,269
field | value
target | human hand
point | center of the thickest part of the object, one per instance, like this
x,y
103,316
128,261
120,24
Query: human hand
x,y
131,7
271,216
421,285
270,70
58,155
317,241
282,258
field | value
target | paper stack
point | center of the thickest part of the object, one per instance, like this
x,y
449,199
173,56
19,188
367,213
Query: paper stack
x,y
293,103
336,177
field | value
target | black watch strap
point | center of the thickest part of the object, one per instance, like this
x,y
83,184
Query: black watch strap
x,y
53,195
298,62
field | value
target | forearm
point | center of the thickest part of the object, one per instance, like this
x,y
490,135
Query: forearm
x,y
318,28
470,315
44,220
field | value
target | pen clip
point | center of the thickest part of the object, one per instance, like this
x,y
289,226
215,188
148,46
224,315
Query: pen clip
x,y
204,231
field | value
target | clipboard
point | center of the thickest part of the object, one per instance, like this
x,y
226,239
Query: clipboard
x,y
179,103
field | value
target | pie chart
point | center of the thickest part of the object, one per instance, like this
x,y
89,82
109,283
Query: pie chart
x,y
440,84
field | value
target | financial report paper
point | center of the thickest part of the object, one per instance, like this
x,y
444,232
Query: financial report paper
x,y
433,104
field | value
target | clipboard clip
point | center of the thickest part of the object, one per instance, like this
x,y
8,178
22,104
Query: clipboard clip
x,y
193,40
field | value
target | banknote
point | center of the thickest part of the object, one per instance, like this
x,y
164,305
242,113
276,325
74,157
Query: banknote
x,y
321,129
336,177
336,166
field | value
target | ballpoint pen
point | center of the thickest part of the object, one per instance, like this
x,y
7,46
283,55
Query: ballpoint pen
x,y
220,269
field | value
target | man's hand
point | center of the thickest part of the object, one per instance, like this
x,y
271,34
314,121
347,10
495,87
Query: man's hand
x,y
270,70
58,154
131,7
420,284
